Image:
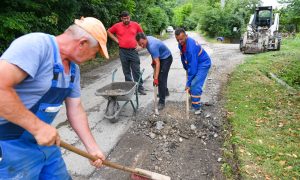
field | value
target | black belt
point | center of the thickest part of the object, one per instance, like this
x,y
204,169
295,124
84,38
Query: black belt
x,y
130,49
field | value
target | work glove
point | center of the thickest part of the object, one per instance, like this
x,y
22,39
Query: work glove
x,y
155,82
153,63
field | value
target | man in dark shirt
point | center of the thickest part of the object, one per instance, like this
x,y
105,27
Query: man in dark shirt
x,y
124,34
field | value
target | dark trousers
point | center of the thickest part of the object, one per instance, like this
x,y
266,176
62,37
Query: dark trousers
x,y
130,61
165,65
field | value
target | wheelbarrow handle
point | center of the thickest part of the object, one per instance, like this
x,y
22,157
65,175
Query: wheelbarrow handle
x,y
113,74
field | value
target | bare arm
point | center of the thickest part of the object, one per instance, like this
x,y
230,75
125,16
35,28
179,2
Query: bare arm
x,y
113,37
13,109
157,68
79,122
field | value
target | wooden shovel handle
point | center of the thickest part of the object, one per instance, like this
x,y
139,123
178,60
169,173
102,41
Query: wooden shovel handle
x,y
104,162
187,105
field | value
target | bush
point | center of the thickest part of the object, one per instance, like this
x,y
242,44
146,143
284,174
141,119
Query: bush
x,y
155,20
218,22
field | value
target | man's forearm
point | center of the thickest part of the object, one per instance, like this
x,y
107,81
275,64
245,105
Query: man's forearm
x,y
113,37
79,122
13,110
157,68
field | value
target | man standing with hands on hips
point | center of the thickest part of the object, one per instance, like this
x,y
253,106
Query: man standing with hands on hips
x,y
123,33
161,62
197,63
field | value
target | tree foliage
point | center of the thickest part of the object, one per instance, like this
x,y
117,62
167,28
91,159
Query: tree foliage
x,y
181,14
18,17
156,20
290,15
211,18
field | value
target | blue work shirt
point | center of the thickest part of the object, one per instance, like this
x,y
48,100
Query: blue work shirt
x,y
33,53
157,48
193,59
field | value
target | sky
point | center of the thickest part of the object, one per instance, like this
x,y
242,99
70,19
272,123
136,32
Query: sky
x,y
273,3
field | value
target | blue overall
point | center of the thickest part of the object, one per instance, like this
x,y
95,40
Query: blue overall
x,y
22,157
196,62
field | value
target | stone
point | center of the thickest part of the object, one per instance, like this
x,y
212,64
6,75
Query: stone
x,y
193,127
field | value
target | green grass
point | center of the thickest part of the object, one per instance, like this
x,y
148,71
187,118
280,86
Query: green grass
x,y
264,116
208,38
212,39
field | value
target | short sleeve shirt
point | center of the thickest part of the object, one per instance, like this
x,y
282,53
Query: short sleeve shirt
x,y
126,33
157,48
34,54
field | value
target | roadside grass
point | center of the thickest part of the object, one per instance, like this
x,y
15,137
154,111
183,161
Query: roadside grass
x,y
208,38
264,117
212,39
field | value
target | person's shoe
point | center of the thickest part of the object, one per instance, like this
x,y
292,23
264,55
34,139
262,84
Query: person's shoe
x,y
160,106
196,111
167,93
142,92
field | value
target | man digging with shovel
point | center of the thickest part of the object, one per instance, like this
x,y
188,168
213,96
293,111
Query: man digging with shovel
x,y
39,73
161,62
197,63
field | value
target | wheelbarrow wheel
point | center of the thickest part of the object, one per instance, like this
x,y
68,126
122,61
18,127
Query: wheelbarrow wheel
x,y
113,120
112,108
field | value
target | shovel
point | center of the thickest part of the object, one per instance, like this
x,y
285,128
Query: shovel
x,y
187,105
155,101
136,171
187,102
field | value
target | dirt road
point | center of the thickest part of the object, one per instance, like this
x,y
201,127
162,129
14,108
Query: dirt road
x,y
187,149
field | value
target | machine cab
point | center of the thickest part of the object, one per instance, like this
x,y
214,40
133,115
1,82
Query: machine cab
x,y
263,16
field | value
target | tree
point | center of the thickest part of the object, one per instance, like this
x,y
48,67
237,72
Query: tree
x,y
290,15
18,17
181,13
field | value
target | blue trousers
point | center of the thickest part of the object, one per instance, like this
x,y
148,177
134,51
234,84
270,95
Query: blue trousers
x,y
197,85
24,160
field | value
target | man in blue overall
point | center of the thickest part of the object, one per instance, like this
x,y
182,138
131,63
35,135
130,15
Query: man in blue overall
x,y
38,73
196,62
161,62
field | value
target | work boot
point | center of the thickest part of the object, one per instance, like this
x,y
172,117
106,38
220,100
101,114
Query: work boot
x,y
160,106
142,92
196,111
167,93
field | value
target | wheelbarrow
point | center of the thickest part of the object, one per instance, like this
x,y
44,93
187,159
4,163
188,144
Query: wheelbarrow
x,y
119,91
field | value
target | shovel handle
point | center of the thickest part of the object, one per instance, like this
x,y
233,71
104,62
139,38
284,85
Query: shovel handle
x,y
187,110
155,101
94,158
187,105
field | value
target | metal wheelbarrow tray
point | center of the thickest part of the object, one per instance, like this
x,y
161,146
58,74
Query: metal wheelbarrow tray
x,y
118,91
121,91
